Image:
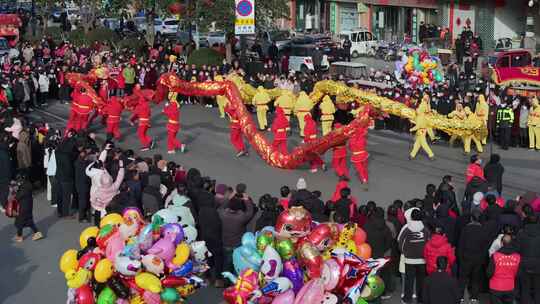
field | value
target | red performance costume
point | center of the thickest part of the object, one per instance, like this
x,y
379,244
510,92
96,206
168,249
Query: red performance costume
x,y
359,157
235,131
143,112
172,111
113,109
310,135
339,158
279,129
81,107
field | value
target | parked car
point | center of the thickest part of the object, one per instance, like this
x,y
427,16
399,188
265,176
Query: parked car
x,y
140,24
363,41
301,60
511,58
215,38
168,26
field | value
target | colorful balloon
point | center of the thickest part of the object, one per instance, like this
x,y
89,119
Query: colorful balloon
x,y
293,223
373,288
87,233
118,287
330,274
293,271
113,219
174,232
170,295
284,298
264,239
84,295
360,236
106,296
285,248
271,265
68,261
312,292
149,282
104,270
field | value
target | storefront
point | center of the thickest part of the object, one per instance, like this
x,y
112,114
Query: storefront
x,y
308,15
343,15
392,19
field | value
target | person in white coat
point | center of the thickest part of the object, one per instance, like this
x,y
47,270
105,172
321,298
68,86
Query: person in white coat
x,y
43,92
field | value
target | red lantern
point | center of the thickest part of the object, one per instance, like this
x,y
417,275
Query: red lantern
x,y
176,8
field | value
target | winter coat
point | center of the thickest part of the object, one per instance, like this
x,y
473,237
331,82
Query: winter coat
x,y
443,219
299,196
6,172
379,237
412,239
473,243
235,223
15,129
43,82
209,222
503,268
26,202
437,246
82,181
151,197
106,190
474,170
24,153
441,288
494,173
528,244
65,157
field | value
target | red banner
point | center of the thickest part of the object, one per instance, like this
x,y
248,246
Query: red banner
x,y
526,75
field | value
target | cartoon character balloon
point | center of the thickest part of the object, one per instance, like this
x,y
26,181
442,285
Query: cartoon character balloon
x,y
293,223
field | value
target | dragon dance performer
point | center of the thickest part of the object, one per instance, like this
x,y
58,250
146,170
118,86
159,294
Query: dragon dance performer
x,y
310,135
235,131
286,102
533,123
473,118
113,111
327,114
339,158
221,100
460,114
359,155
302,107
482,112
143,113
261,100
103,93
279,129
172,111
81,107
421,127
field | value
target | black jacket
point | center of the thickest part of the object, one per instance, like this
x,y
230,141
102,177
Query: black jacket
x,y
493,173
448,223
151,197
379,236
473,243
298,198
5,165
441,288
82,181
528,244
65,157
18,91
26,202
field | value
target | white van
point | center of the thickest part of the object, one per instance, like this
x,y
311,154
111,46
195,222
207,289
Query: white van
x,y
301,60
362,41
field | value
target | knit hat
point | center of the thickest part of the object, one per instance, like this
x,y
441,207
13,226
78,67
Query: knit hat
x,y
477,197
301,184
220,189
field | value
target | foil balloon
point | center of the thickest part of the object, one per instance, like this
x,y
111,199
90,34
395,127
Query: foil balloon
x,y
151,297
293,272
373,288
173,231
164,247
284,298
331,273
68,261
246,256
311,259
118,287
183,270
244,286
86,234
364,251
321,237
360,236
84,295
105,234
285,248
106,296
170,296
113,219
264,239
115,245
271,265
89,261
312,292
104,270
76,279
149,282
293,223
330,298
276,287
153,264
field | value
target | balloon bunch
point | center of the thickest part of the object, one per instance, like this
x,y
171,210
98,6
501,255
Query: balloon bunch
x,y
421,68
301,261
127,260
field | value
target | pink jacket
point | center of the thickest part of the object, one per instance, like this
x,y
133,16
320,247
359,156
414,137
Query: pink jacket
x,y
106,190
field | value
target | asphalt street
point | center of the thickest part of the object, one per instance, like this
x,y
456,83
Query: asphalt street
x,y
30,270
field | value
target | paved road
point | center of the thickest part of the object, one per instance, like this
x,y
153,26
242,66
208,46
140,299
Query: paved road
x,y
30,270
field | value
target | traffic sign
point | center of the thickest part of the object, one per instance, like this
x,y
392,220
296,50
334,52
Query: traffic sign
x,y
245,17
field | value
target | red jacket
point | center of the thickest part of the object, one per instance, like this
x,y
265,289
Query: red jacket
x,y
104,91
505,270
310,129
473,170
3,97
114,109
339,152
357,146
172,111
143,112
438,246
280,125
82,103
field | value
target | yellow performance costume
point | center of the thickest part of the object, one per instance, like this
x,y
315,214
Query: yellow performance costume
x,y
301,108
534,125
286,102
221,100
421,127
482,111
472,118
261,100
327,114
458,113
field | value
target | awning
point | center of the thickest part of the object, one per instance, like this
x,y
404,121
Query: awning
x,y
524,75
408,3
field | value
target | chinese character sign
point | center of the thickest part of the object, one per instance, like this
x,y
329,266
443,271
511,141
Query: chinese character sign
x,y
245,17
